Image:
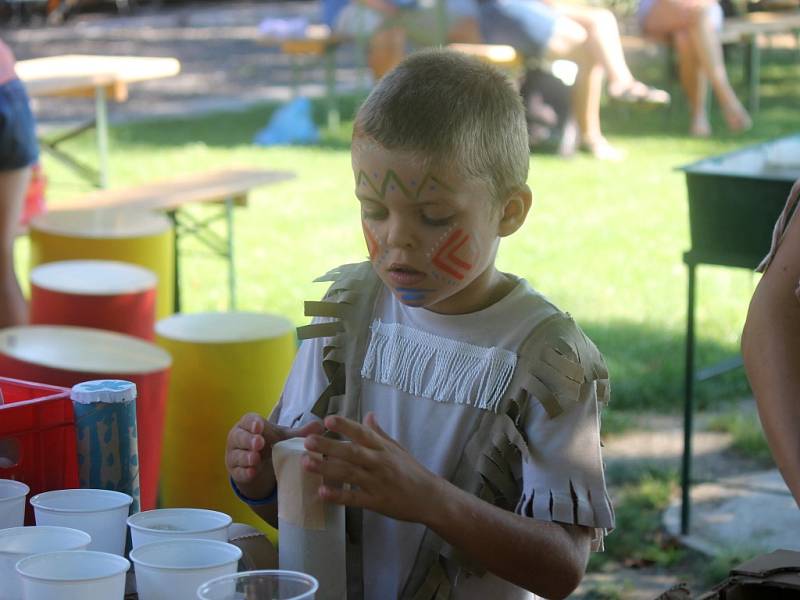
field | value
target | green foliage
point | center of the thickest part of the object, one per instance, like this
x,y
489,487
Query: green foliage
x,y
748,437
638,539
718,568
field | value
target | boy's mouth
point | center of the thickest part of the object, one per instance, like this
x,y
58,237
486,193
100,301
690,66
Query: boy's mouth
x,y
404,275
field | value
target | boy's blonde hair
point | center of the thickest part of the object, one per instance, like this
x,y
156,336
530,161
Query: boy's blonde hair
x,y
451,111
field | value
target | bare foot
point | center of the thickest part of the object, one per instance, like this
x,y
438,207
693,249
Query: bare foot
x,y
601,149
737,118
700,127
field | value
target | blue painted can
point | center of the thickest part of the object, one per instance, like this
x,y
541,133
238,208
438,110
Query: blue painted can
x,y
105,422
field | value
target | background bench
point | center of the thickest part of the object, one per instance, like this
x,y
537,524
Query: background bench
x,y
228,187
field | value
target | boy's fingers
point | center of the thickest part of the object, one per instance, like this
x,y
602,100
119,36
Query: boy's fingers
x,y
243,439
307,429
243,458
252,422
346,451
354,431
343,495
371,422
334,469
242,474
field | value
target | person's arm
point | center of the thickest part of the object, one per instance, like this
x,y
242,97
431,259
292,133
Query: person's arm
x,y
546,558
771,351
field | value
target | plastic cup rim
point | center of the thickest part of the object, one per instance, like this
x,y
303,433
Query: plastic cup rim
x,y
13,483
72,553
150,565
36,501
185,533
44,529
235,576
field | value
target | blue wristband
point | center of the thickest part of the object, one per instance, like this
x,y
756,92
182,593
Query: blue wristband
x,y
264,501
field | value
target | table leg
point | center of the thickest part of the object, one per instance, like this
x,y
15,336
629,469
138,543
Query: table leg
x,y
176,299
101,112
753,74
688,408
231,265
330,87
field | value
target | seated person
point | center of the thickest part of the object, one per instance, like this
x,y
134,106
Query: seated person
x,y
387,25
477,464
771,344
693,26
586,35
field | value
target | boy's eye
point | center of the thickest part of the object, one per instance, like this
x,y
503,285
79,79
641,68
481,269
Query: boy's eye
x,y
373,211
436,220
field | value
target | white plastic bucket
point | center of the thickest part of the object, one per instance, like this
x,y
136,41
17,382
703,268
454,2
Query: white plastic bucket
x,y
100,513
73,575
260,585
173,569
17,543
178,523
12,503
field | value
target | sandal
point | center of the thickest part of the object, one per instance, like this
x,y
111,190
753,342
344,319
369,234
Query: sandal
x,y
636,91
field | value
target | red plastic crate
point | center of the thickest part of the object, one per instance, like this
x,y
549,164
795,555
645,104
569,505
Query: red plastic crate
x,y
37,437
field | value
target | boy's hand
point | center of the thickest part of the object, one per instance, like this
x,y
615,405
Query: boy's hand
x,y
248,454
383,476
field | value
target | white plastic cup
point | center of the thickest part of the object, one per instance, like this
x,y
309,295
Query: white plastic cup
x,y
100,513
260,585
178,523
12,503
172,569
17,543
73,575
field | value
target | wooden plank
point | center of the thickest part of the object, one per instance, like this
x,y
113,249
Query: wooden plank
x,y
214,186
317,39
78,74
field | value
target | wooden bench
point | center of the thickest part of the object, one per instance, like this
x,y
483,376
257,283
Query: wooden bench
x,y
317,42
228,187
742,30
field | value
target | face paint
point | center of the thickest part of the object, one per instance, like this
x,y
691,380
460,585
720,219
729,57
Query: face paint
x,y
431,236
455,256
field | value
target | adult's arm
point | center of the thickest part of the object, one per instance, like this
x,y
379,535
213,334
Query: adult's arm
x,y
771,350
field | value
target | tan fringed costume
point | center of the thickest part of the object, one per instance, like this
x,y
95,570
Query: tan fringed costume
x,y
503,402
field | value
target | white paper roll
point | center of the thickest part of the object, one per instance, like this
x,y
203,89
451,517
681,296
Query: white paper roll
x,y
311,536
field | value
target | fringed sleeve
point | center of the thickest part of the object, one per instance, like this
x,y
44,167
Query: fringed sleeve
x,y
781,226
562,474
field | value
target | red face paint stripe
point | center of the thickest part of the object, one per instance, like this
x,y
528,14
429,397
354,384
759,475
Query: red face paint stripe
x,y
446,255
372,243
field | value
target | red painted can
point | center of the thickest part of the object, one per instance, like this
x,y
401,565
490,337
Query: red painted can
x,y
101,294
65,355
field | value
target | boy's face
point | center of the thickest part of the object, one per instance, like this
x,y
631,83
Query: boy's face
x,y
432,236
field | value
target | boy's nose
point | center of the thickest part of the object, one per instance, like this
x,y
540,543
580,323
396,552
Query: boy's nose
x,y
400,235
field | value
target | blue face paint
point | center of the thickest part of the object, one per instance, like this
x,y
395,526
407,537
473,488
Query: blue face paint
x,y
413,295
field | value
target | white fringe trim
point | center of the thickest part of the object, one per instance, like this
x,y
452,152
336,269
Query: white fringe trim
x,y
436,367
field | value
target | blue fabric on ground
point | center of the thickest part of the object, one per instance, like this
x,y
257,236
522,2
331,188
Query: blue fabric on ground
x,y
290,124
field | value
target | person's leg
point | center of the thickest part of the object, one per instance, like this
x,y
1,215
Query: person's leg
x,y
570,41
13,187
387,48
709,53
604,41
698,19
694,83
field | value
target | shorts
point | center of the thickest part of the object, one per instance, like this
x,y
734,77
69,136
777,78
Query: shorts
x,y
418,19
18,145
526,25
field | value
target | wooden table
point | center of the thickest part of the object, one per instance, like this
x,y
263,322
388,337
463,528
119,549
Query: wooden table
x,y
101,77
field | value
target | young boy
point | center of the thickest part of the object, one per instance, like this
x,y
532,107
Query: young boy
x,y
477,463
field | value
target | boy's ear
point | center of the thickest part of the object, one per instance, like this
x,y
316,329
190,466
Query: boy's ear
x,y
515,210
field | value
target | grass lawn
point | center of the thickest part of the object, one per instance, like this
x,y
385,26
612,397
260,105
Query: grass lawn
x,y
604,241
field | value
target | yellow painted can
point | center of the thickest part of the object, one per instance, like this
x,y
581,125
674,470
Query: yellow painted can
x,y
133,236
224,365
